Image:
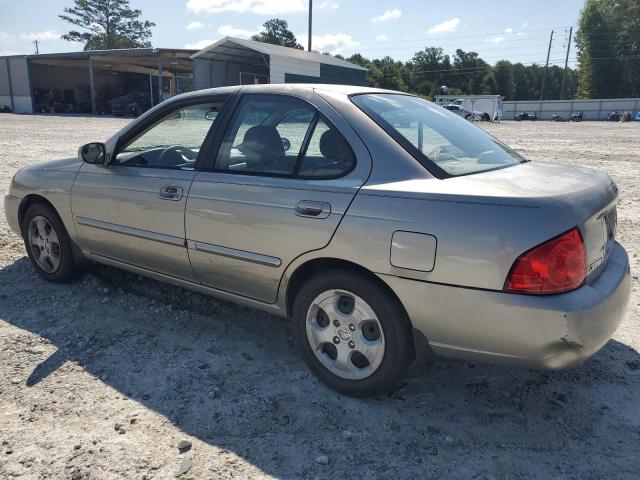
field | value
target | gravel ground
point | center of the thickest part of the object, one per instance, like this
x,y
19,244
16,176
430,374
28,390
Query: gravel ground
x,y
103,379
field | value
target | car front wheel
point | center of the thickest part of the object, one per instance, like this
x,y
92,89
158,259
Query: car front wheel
x,y
48,244
352,333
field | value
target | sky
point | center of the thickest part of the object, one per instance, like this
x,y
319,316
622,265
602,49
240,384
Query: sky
x,y
497,29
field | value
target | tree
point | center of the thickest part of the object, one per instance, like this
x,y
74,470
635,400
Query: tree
x,y
608,45
595,41
503,76
110,24
276,31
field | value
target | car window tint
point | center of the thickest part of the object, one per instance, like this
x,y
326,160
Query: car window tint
x,y
265,136
328,154
173,142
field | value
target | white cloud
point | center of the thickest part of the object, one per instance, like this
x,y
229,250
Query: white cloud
x,y
520,34
450,25
200,44
524,24
46,35
195,25
231,31
262,7
6,35
332,43
495,40
387,15
328,5
508,30
382,37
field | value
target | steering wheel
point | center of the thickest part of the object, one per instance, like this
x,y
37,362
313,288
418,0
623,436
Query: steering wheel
x,y
167,154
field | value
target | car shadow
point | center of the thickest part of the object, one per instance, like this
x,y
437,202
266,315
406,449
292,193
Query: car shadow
x,y
230,377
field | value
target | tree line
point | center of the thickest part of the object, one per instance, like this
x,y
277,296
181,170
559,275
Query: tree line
x,y
607,42
466,73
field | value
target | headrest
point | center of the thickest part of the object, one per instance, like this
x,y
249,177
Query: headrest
x,y
262,146
334,147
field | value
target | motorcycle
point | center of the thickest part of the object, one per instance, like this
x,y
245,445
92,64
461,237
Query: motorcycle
x,y
576,117
613,116
626,116
556,118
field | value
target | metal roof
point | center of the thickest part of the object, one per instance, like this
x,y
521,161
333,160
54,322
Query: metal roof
x,y
277,50
118,52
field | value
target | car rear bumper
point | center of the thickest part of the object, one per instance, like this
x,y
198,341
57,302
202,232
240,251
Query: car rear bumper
x,y
11,206
552,331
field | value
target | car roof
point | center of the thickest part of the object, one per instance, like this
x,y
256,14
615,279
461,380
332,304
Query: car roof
x,y
290,88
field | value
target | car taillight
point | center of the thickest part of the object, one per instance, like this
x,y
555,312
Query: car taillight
x,y
558,265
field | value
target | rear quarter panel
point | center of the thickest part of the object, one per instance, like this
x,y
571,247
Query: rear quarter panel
x,y
477,243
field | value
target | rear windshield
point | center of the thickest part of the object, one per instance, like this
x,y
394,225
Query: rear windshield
x,y
446,144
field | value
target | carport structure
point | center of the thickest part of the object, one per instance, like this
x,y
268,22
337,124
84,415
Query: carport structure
x,y
236,61
86,81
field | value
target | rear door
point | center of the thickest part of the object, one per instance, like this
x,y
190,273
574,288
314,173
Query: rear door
x,y
283,177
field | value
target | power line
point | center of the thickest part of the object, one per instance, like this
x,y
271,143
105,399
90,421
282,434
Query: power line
x,y
478,35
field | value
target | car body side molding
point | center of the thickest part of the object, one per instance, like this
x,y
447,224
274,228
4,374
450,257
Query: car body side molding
x,y
134,232
238,254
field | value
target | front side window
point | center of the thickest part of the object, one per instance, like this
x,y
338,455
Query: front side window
x,y
173,142
444,143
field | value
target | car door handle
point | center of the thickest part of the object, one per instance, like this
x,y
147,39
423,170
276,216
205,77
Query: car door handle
x,y
171,192
309,208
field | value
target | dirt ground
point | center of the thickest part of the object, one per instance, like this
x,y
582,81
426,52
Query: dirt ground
x,y
103,378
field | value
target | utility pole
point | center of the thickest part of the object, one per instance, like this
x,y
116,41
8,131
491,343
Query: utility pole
x,y
36,44
310,18
566,64
544,74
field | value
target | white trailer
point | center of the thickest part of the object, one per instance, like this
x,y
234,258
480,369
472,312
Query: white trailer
x,y
491,105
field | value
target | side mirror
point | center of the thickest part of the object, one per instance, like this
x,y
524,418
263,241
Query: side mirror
x,y
286,144
94,152
211,114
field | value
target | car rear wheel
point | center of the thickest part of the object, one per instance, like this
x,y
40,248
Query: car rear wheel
x,y
351,333
48,244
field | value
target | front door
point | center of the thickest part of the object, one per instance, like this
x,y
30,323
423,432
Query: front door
x,y
283,177
133,209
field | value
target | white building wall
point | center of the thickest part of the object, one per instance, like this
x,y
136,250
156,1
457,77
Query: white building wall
x,y
280,65
22,104
17,69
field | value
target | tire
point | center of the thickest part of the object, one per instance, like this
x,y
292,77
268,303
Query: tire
x,y
389,355
468,117
61,266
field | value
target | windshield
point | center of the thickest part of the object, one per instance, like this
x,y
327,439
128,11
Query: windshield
x,y
444,143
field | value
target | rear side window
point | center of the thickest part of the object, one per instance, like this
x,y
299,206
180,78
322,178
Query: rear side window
x,y
277,135
265,136
328,154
